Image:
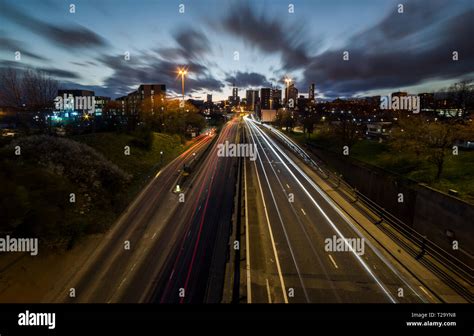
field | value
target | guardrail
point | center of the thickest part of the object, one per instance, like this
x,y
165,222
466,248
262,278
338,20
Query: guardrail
x,y
424,245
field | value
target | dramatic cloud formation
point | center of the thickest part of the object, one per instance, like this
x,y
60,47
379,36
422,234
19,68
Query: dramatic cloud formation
x,y
267,34
60,73
148,69
402,50
68,36
247,79
387,50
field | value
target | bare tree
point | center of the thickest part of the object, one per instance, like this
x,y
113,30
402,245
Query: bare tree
x,y
10,88
39,89
462,95
31,89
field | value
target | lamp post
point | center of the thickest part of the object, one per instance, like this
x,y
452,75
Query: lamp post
x,y
182,72
287,81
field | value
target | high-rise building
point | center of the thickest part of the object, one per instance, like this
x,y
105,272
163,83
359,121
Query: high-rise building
x,y
292,93
209,98
235,92
276,99
265,98
123,104
234,100
311,92
252,98
153,91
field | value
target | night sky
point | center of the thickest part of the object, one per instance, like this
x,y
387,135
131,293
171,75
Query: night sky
x,y
388,51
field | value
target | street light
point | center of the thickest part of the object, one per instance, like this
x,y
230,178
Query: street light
x,y
182,72
287,81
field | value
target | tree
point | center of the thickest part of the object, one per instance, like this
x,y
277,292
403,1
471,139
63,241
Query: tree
x,y
195,120
347,131
10,88
430,141
167,115
284,118
30,89
462,94
308,122
39,90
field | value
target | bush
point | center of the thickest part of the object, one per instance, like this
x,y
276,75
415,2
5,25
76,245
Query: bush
x,y
37,184
143,138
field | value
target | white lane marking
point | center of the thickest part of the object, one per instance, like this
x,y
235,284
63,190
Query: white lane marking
x,y
302,210
131,269
247,240
281,220
426,292
154,235
287,186
339,233
333,261
376,251
305,232
268,292
280,275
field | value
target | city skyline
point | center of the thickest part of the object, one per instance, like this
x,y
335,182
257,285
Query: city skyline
x,y
88,47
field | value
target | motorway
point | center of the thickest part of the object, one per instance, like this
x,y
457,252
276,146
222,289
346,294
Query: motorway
x,y
136,252
287,256
194,273
173,247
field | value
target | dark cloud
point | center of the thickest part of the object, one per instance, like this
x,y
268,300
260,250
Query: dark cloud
x,y
138,70
247,79
269,35
402,50
160,65
71,36
60,73
194,44
191,44
416,15
53,72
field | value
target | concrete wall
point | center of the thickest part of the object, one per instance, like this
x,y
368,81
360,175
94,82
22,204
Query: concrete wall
x,y
426,210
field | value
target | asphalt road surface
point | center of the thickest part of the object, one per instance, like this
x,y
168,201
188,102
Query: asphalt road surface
x,y
108,275
289,222
194,272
